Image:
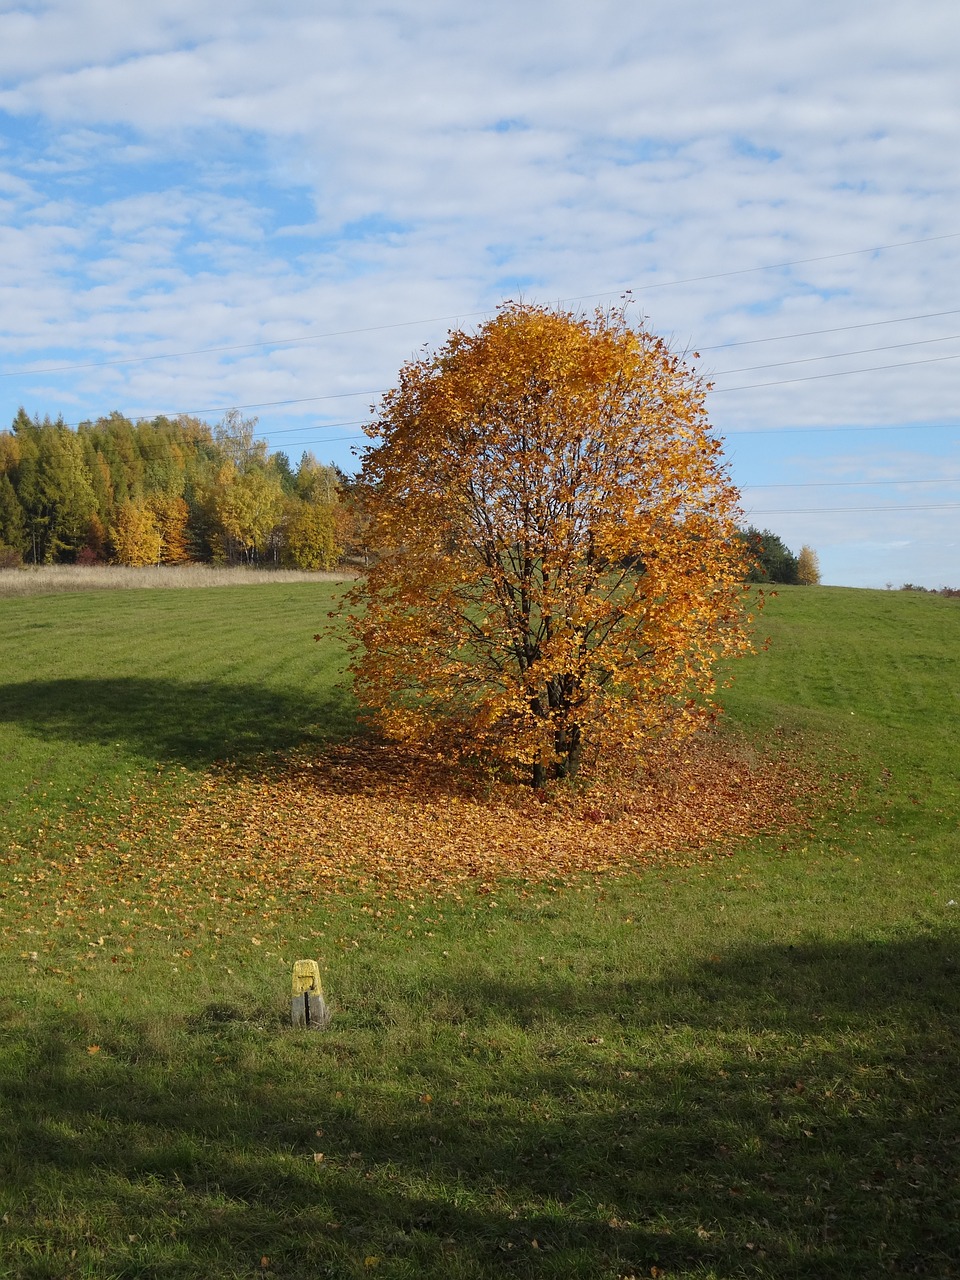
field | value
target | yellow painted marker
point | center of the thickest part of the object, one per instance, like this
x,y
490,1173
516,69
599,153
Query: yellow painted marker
x,y
307,1005
306,977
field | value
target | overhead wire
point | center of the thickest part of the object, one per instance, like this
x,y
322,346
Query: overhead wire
x,y
816,333
836,373
623,290
836,355
842,484
344,395
810,511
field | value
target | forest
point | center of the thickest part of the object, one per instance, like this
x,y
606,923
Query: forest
x,y
164,491
178,490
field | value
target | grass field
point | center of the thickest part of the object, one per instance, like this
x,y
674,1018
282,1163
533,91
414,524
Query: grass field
x,y
741,1067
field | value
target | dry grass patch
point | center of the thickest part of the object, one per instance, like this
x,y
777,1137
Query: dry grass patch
x,y
35,580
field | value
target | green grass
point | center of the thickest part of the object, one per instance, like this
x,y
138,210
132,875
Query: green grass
x,y
748,1068
99,689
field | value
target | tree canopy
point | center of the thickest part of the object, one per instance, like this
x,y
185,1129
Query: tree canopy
x,y
808,567
556,566
769,558
161,492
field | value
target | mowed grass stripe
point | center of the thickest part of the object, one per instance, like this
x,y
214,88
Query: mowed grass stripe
x,y
100,686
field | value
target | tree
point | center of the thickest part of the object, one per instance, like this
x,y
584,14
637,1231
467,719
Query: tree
x,y
310,535
13,526
556,565
249,508
353,520
808,567
769,557
53,486
236,437
170,516
135,536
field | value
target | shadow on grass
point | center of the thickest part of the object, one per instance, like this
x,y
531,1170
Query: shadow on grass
x,y
187,722
775,1113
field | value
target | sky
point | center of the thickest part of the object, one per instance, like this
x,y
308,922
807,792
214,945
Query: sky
x,y
208,204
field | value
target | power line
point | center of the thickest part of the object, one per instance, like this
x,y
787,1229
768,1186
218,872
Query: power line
x,y
839,373
830,484
789,431
470,315
306,444
314,426
837,355
339,333
264,404
715,391
816,333
816,511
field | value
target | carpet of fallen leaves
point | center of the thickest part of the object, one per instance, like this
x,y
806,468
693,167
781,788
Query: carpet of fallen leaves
x,y
374,822
373,816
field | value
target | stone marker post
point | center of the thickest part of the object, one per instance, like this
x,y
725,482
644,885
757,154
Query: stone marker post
x,y
307,1006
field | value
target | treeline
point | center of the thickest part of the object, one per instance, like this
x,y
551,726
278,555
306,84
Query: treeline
x,y
173,491
165,491
773,561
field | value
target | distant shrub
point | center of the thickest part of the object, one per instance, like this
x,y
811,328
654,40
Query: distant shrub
x,y
952,593
10,558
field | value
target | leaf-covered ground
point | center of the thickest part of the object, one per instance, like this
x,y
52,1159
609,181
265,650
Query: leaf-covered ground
x,y
373,816
369,818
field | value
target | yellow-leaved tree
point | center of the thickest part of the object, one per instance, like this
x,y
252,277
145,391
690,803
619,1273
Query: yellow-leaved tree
x,y
808,567
555,561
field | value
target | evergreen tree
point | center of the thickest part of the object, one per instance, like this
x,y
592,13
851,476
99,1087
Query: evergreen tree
x,y
771,559
54,489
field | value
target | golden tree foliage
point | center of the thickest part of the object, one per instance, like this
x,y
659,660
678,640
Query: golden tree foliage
x,y
135,536
310,535
556,566
171,514
249,505
808,567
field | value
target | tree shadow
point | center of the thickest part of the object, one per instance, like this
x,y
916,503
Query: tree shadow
x,y
809,1129
183,721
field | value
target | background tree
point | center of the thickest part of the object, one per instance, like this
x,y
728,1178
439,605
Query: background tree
x,y
53,487
13,525
556,555
170,515
769,557
250,507
310,535
94,549
212,493
808,567
135,536
9,452
353,519
235,437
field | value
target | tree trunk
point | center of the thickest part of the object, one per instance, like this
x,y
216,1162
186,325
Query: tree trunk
x,y
569,752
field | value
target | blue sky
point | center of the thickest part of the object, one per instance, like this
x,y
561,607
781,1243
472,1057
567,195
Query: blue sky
x,y
206,205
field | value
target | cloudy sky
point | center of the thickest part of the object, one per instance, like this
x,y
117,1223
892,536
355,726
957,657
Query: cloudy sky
x,y
217,203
